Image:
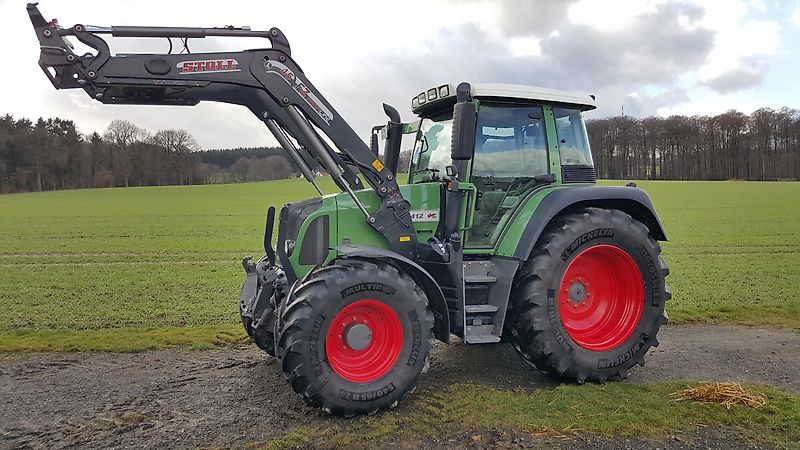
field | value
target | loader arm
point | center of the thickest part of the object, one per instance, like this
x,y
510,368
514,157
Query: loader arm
x,y
266,81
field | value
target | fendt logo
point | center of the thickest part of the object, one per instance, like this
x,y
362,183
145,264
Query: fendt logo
x,y
209,66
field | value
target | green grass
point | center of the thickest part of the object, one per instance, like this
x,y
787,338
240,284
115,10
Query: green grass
x,y
734,250
123,339
129,269
615,409
136,268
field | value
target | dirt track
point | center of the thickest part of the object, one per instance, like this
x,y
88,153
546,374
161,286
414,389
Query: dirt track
x,y
179,398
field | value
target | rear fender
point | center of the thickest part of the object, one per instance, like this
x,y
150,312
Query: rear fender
x,y
441,327
631,200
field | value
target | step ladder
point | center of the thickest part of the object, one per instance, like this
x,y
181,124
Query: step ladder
x,y
480,316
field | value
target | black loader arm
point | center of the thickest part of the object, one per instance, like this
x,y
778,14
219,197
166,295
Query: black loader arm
x,y
266,81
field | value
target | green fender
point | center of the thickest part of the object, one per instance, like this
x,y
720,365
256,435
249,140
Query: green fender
x,y
631,200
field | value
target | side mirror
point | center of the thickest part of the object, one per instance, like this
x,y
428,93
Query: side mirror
x,y
462,144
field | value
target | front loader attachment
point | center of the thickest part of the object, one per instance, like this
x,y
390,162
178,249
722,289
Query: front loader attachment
x,y
266,81
372,300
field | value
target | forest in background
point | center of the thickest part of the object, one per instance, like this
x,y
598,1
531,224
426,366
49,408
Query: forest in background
x,y
51,154
764,145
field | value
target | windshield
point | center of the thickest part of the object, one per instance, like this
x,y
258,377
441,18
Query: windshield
x,y
432,150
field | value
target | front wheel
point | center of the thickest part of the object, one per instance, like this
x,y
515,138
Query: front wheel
x,y
590,301
354,336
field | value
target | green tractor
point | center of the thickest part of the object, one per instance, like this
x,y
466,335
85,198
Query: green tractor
x,y
498,233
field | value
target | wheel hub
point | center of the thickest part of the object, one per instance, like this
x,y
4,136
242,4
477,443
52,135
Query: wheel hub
x,y
358,336
364,341
577,292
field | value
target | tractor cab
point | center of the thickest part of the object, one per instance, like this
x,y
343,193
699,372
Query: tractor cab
x,y
526,138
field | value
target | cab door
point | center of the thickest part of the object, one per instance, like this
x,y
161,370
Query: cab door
x,y
510,152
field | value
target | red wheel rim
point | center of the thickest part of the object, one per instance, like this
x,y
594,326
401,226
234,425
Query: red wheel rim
x,y
380,353
601,297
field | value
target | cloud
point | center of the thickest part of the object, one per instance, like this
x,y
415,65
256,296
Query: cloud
x,y
645,104
653,49
736,79
743,45
532,17
796,17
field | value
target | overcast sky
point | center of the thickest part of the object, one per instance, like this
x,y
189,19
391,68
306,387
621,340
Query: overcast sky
x,y
650,56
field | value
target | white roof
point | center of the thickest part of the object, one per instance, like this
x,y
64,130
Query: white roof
x,y
533,93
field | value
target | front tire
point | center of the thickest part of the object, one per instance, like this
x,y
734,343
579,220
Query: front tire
x,y
354,336
589,302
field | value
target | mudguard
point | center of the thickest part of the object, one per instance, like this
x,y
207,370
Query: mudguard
x,y
631,200
441,327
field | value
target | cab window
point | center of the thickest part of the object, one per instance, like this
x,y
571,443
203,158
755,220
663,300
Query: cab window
x,y
510,142
573,144
510,151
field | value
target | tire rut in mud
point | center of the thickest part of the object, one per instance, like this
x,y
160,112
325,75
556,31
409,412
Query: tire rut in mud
x,y
181,398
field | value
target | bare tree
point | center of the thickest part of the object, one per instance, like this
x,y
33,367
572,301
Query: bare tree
x,y
178,146
121,136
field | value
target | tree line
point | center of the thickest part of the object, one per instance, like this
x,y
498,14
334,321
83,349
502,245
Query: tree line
x,y
764,145
51,154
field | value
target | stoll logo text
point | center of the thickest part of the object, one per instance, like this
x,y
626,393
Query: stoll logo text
x,y
209,66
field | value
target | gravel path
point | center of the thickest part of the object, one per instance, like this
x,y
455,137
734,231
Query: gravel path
x,y
179,398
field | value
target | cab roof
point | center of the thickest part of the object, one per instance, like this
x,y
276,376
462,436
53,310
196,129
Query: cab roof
x,y
583,101
437,98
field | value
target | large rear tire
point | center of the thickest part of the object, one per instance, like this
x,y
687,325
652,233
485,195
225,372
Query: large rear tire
x,y
589,302
354,336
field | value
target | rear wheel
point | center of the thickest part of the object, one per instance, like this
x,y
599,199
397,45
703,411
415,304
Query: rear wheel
x,y
589,302
354,336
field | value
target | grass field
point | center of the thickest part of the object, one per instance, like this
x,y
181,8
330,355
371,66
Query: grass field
x,y
127,269
614,409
